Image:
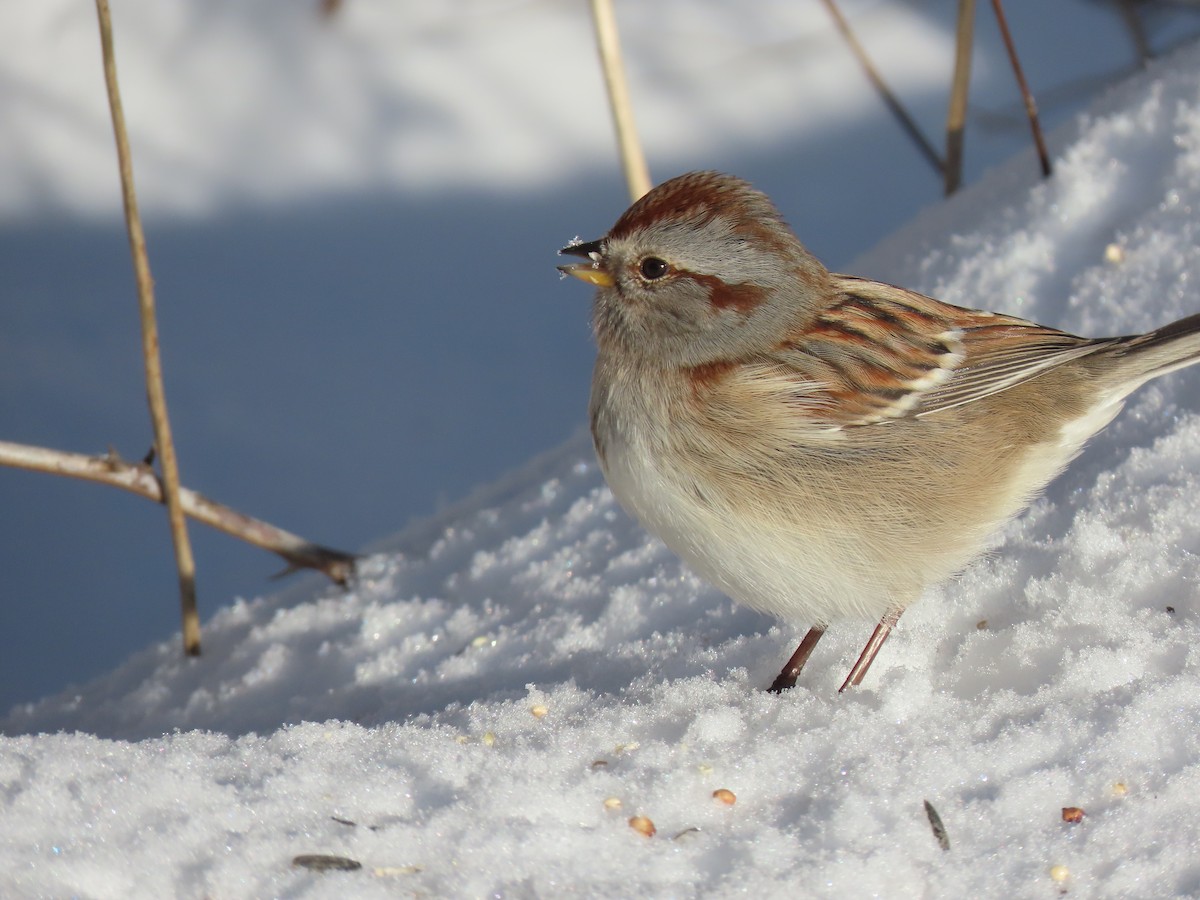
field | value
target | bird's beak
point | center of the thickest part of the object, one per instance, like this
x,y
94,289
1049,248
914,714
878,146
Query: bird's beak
x,y
589,271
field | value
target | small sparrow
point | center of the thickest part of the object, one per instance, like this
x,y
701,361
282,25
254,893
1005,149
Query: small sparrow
x,y
820,446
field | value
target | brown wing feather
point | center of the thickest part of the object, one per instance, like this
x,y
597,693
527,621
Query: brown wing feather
x,y
883,353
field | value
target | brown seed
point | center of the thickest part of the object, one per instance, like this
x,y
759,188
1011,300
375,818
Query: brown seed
x,y
937,826
321,862
1072,814
642,825
725,796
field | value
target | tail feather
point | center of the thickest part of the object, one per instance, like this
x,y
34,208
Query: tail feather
x,y
1160,351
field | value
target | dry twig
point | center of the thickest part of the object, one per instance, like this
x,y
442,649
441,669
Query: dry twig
x,y
156,394
1026,95
1137,31
890,99
957,116
637,174
139,478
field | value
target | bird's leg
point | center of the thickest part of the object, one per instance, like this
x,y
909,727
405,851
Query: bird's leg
x,y
878,636
791,671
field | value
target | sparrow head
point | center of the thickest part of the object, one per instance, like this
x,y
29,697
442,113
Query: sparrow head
x,y
703,268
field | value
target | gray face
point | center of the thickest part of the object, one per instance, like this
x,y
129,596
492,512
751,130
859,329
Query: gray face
x,y
702,268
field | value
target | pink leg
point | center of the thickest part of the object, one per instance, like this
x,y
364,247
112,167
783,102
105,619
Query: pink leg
x,y
790,672
878,636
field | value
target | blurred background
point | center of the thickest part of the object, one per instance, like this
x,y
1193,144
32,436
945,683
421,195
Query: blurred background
x,y
352,213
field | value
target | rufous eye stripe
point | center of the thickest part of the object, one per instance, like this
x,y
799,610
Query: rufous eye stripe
x,y
742,298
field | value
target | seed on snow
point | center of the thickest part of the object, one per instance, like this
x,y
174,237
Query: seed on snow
x,y
1059,873
395,871
612,802
725,795
1072,814
539,711
323,862
642,825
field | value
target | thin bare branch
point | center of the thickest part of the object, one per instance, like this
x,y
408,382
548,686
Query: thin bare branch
x,y
155,392
140,479
1026,95
889,98
957,117
1137,31
633,160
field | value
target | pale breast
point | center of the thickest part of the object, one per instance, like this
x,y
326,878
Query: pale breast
x,y
779,549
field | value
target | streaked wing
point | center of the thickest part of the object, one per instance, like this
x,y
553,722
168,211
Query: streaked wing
x,y
885,353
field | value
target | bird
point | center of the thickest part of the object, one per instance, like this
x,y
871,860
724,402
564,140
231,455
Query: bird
x,y
819,446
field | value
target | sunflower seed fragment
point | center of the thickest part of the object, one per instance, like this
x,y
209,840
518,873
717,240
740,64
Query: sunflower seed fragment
x,y
939,830
321,862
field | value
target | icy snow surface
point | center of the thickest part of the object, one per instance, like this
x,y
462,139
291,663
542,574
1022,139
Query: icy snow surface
x,y
510,683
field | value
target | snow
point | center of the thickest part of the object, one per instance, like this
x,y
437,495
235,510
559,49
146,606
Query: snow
x,y
514,678
307,101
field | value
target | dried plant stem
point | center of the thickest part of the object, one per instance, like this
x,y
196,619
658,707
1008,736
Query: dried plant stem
x,y
1136,31
637,174
957,117
890,99
184,561
1026,95
139,478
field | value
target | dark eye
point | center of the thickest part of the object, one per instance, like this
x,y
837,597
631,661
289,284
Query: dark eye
x,y
653,268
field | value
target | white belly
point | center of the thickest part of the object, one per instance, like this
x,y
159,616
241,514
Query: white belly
x,y
797,573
